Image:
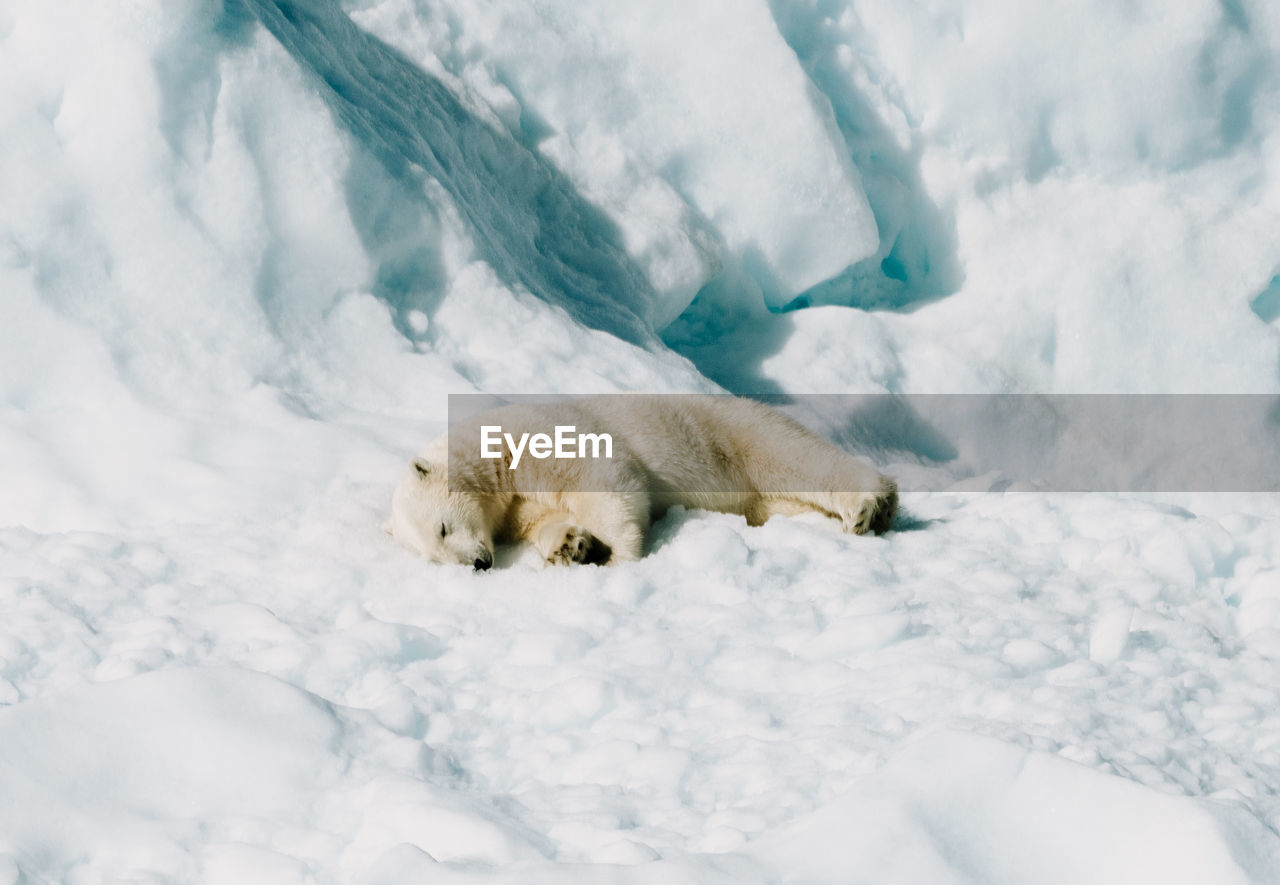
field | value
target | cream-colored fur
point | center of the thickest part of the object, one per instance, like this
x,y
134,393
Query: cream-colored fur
x,y
710,452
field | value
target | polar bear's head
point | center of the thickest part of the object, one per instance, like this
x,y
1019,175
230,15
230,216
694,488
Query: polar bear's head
x,y
434,522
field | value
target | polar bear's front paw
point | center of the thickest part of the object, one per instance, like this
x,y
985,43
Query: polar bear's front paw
x,y
576,544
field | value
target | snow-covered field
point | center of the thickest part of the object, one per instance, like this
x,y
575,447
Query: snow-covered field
x,y
248,248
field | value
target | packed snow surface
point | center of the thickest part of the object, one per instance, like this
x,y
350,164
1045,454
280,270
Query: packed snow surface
x,y
247,249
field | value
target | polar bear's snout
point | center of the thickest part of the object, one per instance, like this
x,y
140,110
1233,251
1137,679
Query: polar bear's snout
x,y
483,560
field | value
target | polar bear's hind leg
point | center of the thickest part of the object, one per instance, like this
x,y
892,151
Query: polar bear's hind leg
x,y
859,512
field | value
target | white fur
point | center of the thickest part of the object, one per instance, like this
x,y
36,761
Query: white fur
x,y
715,453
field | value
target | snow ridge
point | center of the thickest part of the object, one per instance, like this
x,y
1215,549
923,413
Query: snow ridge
x,y
530,223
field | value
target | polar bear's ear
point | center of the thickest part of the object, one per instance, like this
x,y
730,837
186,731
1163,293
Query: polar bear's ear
x,y
423,468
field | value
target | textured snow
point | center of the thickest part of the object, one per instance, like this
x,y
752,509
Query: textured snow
x,y
248,248
728,705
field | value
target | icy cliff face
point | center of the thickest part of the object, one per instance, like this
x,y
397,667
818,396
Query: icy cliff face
x,y
693,124
1070,198
1049,183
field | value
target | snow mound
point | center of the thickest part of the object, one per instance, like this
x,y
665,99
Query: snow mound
x,y
957,808
209,270
220,775
165,746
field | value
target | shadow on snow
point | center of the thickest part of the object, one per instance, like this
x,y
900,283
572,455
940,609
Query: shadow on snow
x,y
528,221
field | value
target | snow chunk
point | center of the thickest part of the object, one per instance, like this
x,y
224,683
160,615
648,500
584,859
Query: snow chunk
x,y
1110,634
690,121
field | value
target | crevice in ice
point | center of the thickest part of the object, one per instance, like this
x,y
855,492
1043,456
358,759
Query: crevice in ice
x,y
725,331
1267,303
917,259
528,221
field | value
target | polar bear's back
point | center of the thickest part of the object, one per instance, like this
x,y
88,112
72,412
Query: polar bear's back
x,y
687,445
718,452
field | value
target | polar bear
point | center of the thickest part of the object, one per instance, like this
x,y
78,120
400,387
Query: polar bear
x,y
490,480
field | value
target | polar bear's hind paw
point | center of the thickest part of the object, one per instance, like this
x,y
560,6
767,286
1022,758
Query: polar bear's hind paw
x,y
879,511
872,513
